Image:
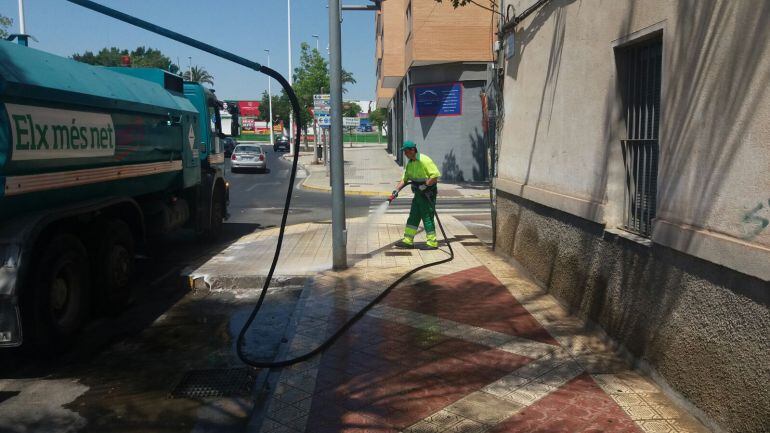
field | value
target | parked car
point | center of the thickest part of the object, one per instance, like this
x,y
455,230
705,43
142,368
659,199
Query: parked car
x,y
228,144
281,142
248,156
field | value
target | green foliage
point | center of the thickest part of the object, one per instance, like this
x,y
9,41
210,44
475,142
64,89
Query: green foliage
x,y
281,107
312,77
350,109
378,116
141,57
5,23
199,75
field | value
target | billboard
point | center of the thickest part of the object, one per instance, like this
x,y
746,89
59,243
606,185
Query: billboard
x,y
249,108
434,100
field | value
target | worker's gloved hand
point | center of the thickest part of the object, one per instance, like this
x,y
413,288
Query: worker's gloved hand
x,y
393,195
423,187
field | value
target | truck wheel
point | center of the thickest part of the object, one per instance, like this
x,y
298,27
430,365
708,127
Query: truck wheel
x,y
61,292
217,216
113,261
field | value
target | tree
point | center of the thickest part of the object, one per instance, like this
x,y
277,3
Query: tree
x,y
281,107
378,116
5,23
198,75
141,57
312,77
350,109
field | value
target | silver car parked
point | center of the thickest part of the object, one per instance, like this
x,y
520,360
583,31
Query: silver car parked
x,y
248,156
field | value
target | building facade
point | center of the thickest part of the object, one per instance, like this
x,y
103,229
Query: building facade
x,y
634,184
433,62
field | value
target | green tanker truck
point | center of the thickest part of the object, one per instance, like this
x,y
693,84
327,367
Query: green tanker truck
x,y
92,161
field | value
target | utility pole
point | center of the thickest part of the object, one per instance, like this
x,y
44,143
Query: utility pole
x,y
189,68
291,81
22,37
270,101
339,233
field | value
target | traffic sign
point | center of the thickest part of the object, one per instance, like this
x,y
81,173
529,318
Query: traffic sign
x,y
324,120
351,122
321,104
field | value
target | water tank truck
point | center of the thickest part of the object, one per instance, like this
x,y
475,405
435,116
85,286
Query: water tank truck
x,y
92,161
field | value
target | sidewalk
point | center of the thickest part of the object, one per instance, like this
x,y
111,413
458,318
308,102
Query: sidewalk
x,y
468,346
371,170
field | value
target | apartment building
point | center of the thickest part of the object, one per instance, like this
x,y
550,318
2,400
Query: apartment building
x,y
432,65
634,184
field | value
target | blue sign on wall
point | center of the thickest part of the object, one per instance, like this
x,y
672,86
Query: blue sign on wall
x,y
438,99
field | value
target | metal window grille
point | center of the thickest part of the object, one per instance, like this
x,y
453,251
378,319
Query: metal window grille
x,y
640,71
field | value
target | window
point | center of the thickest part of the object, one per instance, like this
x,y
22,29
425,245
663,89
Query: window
x,y
639,72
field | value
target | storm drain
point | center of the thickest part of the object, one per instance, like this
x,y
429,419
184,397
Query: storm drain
x,y
218,382
398,253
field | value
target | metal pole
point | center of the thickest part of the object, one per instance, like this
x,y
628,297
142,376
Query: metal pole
x,y
316,42
22,38
339,233
291,81
22,27
189,68
270,103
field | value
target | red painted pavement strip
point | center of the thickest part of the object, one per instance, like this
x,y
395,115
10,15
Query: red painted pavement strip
x,y
390,384
472,297
579,406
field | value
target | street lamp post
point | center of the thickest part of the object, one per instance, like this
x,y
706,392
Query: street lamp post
x,y
270,101
316,42
339,232
189,68
291,81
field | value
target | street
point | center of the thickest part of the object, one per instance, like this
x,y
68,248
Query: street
x,y
119,362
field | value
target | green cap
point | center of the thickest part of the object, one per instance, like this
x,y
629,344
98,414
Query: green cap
x,y
408,144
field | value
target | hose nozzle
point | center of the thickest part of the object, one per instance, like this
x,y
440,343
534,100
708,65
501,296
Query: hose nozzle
x,y
393,196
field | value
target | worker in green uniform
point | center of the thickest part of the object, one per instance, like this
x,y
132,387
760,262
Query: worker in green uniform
x,y
423,173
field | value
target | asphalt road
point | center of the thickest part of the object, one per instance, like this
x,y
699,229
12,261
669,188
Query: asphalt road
x,y
258,198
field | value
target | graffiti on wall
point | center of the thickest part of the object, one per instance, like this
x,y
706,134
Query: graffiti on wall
x,y
754,222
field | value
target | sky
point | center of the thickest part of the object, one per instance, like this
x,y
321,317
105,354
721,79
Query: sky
x,y
243,27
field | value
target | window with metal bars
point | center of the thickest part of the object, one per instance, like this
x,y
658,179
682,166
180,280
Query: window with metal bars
x,y
639,67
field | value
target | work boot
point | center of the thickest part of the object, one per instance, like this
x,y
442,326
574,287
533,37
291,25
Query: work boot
x,y
405,243
431,242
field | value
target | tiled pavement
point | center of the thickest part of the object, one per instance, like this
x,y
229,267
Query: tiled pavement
x,y
470,346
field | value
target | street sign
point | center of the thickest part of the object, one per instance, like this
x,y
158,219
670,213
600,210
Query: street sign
x,y
324,120
351,122
321,104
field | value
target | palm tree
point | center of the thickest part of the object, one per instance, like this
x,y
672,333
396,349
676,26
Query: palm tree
x,y
198,75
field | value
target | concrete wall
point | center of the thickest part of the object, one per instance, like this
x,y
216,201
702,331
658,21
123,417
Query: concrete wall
x,y
702,327
693,299
455,143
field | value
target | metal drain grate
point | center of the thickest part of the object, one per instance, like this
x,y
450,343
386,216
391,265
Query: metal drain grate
x,y
473,243
398,253
221,382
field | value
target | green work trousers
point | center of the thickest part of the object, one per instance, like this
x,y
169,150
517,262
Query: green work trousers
x,y
422,210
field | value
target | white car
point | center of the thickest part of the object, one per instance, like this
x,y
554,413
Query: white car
x,y
248,156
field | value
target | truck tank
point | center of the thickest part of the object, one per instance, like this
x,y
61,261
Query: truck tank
x,y
71,131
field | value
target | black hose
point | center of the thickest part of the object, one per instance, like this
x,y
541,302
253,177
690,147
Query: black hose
x,y
326,344
297,113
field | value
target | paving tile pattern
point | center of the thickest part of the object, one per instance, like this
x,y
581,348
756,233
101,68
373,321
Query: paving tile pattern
x,y
469,347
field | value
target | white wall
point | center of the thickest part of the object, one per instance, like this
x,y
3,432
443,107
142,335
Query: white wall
x,y
563,121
